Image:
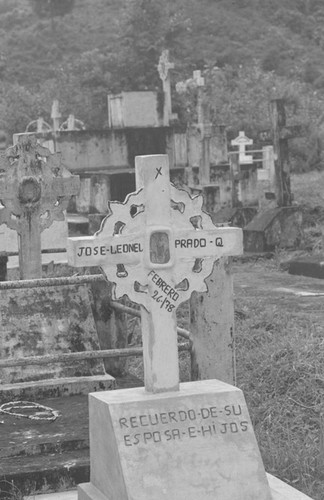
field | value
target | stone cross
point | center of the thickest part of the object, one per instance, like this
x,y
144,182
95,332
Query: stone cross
x,y
242,141
56,115
200,83
205,126
34,191
164,67
157,247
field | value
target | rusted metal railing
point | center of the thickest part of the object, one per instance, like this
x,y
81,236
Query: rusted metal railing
x,y
44,250
77,356
76,280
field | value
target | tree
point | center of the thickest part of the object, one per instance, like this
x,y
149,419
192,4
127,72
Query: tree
x,y
52,8
148,27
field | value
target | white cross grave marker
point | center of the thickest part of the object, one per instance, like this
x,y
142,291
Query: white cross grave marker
x,y
157,247
242,141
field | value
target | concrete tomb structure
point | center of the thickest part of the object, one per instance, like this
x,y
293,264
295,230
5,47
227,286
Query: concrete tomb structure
x,y
34,192
167,440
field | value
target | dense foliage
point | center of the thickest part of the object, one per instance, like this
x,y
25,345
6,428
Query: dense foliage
x,y
77,51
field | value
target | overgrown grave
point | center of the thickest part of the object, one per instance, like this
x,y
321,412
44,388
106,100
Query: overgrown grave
x,y
280,226
230,195
34,191
166,440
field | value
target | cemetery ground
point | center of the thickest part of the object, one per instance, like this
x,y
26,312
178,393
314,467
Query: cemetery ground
x,y
280,351
280,355
280,368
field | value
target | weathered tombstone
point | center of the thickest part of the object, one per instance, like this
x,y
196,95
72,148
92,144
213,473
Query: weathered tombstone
x,y
205,126
164,441
34,191
242,141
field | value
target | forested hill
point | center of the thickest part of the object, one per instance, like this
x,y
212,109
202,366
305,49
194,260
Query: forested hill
x,y
79,50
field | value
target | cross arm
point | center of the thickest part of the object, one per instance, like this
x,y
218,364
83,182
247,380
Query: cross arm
x,y
113,250
218,242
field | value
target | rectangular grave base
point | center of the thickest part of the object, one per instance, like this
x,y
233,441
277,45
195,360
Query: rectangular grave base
x,y
197,442
87,491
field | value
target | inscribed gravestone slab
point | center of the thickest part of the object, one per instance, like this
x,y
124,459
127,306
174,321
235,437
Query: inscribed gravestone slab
x,y
194,443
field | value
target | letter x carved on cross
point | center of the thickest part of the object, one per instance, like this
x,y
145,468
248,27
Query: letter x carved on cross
x,y
157,247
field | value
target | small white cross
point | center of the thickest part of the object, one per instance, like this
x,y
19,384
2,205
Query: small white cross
x,y
198,79
242,141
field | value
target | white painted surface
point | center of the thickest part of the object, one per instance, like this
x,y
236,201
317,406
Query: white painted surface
x,y
133,109
299,293
194,443
53,237
242,141
64,495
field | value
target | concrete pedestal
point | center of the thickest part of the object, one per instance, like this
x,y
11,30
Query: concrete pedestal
x,y
197,442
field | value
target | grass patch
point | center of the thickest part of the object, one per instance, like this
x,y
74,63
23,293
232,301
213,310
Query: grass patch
x,y
308,188
280,368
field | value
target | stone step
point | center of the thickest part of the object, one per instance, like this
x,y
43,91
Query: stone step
x,y
38,453
53,388
44,448
23,437
279,491
48,471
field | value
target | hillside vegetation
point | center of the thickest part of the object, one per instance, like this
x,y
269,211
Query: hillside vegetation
x,y
77,51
